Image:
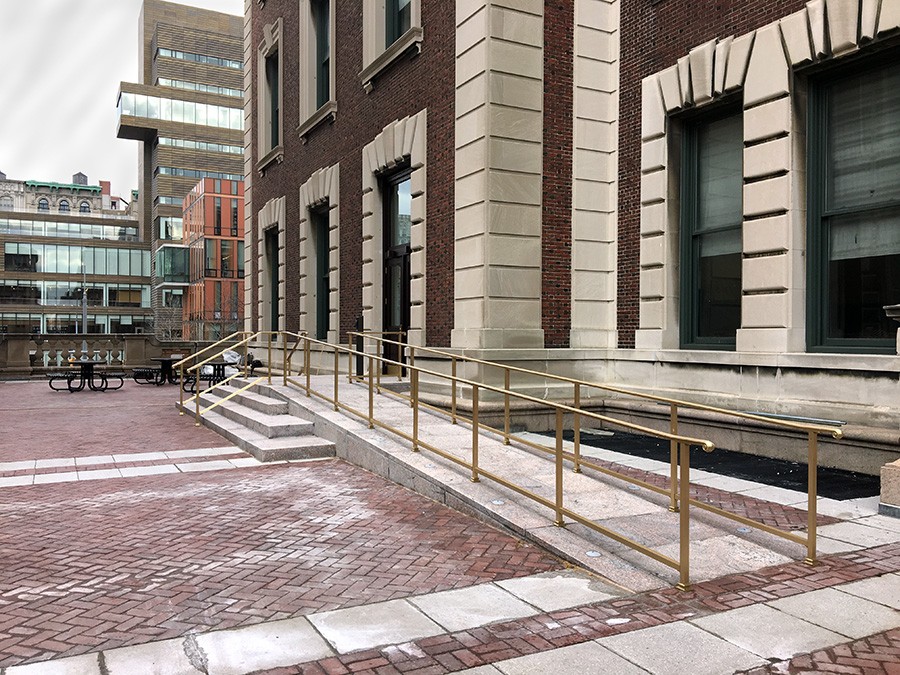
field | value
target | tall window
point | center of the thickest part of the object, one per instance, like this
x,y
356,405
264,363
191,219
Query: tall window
x,y
234,217
64,206
397,20
320,235
43,204
397,201
854,210
217,223
273,99
209,258
711,217
320,15
84,207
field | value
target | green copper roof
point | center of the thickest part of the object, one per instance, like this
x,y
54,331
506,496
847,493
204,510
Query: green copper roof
x,y
61,186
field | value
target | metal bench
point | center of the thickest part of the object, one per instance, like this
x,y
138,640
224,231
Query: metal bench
x,y
61,376
146,374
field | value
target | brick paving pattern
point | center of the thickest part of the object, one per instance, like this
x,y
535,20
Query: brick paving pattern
x,y
874,655
153,558
769,513
39,423
509,639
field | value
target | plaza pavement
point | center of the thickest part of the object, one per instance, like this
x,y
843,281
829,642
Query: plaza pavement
x,y
132,541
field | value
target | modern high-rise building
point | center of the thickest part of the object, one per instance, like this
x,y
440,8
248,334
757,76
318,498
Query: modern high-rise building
x,y
214,234
186,110
66,243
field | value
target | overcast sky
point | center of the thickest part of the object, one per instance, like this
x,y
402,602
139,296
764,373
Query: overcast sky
x,y
62,62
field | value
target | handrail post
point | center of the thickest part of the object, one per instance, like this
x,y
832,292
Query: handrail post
x,y
269,361
371,396
379,344
812,463
246,365
412,365
181,389
414,386
197,399
453,384
307,356
284,368
576,424
559,522
349,358
673,459
506,406
684,556
475,433
337,366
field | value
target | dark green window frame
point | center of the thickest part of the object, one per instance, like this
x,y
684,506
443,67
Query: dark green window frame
x,y
320,228
321,10
821,213
692,323
398,20
273,85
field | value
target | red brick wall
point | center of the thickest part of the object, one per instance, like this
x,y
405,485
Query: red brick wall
x,y
408,86
653,37
556,209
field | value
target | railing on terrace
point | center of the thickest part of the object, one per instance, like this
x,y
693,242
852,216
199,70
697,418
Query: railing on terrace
x,y
678,491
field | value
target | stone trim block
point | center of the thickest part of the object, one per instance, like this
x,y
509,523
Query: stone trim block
x,y
795,29
768,120
768,74
768,159
889,18
653,114
767,310
738,60
701,64
770,196
843,25
767,235
767,273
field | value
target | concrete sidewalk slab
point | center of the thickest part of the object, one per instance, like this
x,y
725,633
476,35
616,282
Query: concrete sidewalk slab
x,y
265,645
471,607
587,658
368,626
840,612
558,590
86,664
680,648
166,657
883,590
767,632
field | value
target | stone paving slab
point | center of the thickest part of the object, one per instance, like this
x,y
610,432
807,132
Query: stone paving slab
x,y
267,645
587,658
883,590
471,607
840,612
680,648
767,632
374,625
557,590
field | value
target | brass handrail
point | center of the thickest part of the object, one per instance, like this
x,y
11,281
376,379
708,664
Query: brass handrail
x,y
811,429
682,565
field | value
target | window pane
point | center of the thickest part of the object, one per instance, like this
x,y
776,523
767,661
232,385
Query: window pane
x,y
862,139
720,173
401,208
863,275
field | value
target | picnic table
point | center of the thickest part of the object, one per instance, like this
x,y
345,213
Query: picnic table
x,y
84,373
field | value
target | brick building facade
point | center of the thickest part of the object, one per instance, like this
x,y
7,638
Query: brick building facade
x,y
619,189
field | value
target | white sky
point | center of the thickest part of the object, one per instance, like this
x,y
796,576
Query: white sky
x,y
62,62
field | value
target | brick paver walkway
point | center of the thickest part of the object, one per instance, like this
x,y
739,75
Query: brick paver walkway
x,y
39,423
874,655
100,564
509,639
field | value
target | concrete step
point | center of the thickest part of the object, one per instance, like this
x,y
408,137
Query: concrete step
x,y
271,426
264,448
253,399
